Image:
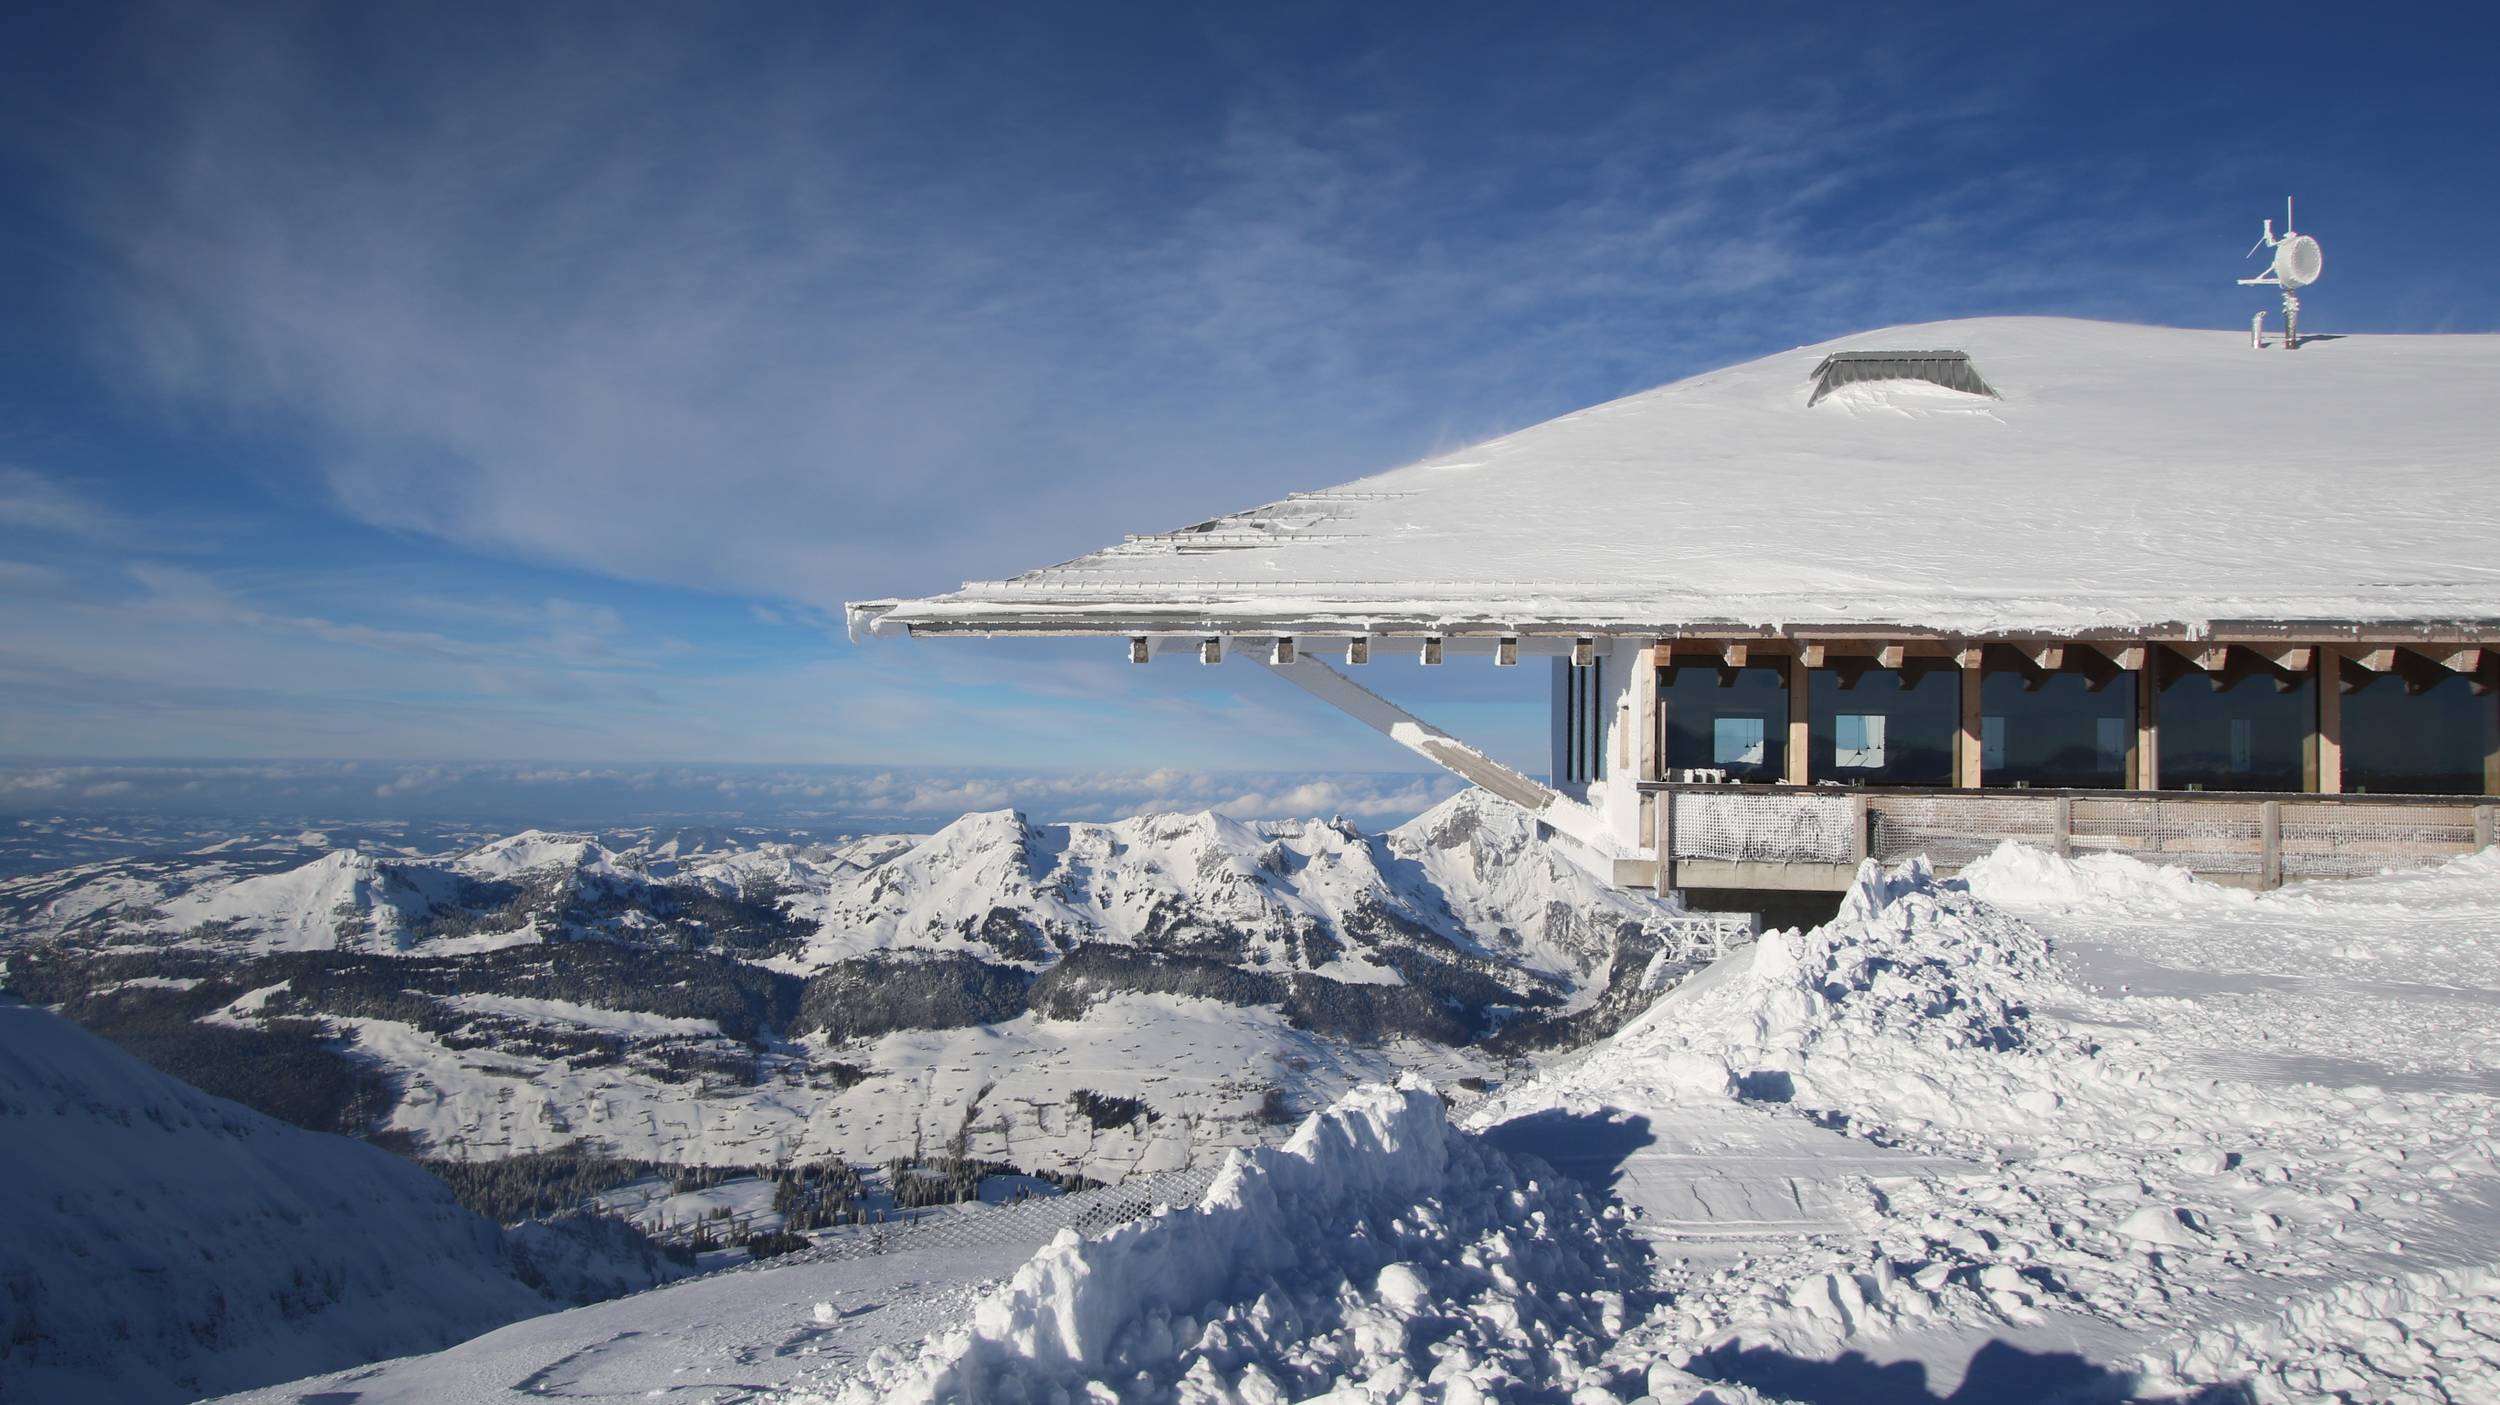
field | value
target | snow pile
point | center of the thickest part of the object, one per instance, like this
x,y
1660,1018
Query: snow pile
x,y
1909,1001
1380,1250
2018,875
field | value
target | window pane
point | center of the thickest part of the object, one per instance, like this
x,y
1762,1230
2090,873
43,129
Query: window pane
x,y
1882,726
2056,729
1754,700
2426,742
2221,731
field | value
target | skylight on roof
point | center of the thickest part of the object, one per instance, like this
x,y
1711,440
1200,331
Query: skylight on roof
x,y
1950,369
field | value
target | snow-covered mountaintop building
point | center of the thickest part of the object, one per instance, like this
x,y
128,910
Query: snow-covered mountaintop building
x,y
1912,591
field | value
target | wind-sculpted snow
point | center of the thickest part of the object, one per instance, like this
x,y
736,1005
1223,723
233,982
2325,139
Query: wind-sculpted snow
x,y
1380,1250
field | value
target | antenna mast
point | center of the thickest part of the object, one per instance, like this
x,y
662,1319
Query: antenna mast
x,y
2297,263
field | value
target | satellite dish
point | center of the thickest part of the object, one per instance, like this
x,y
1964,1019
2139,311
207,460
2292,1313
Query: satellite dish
x,y
2297,263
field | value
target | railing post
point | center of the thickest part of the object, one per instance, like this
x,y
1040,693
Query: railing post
x,y
1861,839
2486,820
1662,838
2270,841
1966,739
2062,828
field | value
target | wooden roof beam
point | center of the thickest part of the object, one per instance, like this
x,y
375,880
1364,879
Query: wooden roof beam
x,y
2466,660
2205,658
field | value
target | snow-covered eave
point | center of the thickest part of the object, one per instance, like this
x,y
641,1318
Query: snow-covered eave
x,y
958,615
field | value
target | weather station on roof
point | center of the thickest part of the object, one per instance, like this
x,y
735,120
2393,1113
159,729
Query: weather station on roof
x,y
2098,587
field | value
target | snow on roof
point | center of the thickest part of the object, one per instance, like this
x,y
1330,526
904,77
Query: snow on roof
x,y
2124,478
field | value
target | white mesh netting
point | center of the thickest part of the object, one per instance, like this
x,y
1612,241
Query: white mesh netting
x,y
1764,828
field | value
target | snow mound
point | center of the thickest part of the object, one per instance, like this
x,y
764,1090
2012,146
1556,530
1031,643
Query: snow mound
x,y
1903,1001
1380,1250
2020,875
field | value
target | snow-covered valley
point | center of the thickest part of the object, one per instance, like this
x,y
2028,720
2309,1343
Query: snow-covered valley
x,y
2081,1131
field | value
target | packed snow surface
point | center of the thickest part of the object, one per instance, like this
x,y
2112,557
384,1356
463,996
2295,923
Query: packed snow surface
x,y
2097,477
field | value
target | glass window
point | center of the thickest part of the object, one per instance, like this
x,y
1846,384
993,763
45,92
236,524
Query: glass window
x,y
2414,735
1882,726
2056,729
1730,719
2242,728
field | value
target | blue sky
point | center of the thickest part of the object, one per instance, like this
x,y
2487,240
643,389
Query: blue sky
x,y
426,384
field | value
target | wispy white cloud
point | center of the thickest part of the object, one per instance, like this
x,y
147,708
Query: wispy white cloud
x,y
805,339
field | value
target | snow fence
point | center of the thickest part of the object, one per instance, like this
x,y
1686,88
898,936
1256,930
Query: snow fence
x,y
1379,1250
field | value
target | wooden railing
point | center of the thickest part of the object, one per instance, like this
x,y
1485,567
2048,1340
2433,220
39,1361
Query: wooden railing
x,y
1813,837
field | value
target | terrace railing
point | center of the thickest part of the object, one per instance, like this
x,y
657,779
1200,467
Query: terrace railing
x,y
1814,837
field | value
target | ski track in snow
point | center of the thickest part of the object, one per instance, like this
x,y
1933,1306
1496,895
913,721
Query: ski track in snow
x,y
2058,1130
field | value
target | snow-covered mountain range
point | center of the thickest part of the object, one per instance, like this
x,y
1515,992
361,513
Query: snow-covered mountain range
x,y
1066,998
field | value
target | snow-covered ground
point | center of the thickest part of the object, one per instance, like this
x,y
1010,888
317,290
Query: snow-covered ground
x,y
2055,1130
156,1242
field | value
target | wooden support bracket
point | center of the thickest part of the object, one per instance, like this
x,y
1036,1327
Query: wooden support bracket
x,y
1137,650
1211,649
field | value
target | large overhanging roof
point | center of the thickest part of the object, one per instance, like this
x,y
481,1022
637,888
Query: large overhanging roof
x,y
2124,479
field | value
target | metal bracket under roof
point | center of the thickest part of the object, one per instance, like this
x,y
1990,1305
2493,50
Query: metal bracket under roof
x,y
1950,369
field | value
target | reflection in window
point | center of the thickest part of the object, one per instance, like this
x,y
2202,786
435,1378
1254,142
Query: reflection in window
x,y
1731,719
2244,727
2068,728
2424,734
1736,741
1858,741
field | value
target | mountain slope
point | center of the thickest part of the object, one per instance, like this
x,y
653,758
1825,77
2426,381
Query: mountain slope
x,y
161,1243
